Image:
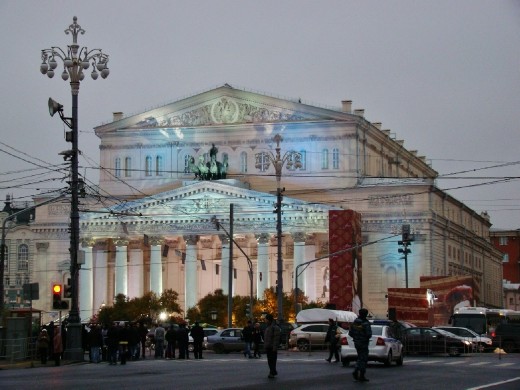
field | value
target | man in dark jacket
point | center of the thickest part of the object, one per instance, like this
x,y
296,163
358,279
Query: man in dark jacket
x,y
361,332
332,340
247,335
197,333
182,341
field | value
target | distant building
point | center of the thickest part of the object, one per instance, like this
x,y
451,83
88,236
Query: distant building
x,y
169,171
508,243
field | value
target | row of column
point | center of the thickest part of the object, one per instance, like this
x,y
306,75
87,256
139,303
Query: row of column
x,y
129,268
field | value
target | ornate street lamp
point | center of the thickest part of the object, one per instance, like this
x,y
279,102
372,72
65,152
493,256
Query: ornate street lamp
x,y
75,60
293,160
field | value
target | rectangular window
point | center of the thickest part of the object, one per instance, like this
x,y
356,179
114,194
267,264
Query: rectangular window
x,y
217,269
502,240
234,273
505,258
325,159
335,158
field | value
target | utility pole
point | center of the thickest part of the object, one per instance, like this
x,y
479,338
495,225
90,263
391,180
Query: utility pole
x,y
406,240
230,271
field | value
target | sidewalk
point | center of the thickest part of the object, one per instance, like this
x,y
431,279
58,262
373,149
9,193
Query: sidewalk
x,y
5,365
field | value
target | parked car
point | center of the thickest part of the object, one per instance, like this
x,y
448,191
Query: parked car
x,y
226,340
309,336
384,347
429,340
507,336
482,343
207,332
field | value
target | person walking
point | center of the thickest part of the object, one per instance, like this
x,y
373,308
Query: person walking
x,y
361,332
43,346
247,335
271,342
332,340
143,332
257,340
197,333
159,334
57,346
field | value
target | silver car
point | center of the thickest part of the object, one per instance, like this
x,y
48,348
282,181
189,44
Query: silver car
x,y
226,340
309,336
384,347
482,343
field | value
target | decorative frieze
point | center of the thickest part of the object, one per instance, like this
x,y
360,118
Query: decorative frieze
x,y
42,246
391,200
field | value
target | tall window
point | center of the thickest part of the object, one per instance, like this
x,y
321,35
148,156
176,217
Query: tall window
x,y
159,166
128,166
118,167
505,258
6,257
243,162
23,257
502,240
325,159
303,159
148,166
187,159
335,158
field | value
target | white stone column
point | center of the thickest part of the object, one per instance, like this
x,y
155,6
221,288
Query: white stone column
x,y
309,275
299,258
86,281
190,273
121,267
224,265
262,274
100,276
136,270
156,265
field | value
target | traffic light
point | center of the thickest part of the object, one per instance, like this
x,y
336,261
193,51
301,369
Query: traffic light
x,y
405,233
57,302
67,290
248,310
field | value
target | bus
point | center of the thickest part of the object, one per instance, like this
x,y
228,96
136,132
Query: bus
x,y
483,320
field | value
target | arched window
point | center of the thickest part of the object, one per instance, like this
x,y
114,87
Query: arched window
x,y
128,167
158,166
23,257
391,277
325,159
118,167
148,166
243,162
335,158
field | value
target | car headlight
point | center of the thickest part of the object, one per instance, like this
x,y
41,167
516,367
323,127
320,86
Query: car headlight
x,y
468,343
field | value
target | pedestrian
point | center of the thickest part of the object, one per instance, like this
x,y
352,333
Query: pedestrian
x,y
57,346
124,337
271,343
159,334
43,345
95,341
112,344
257,340
143,332
50,330
332,340
197,333
361,332
170,338
104,349
133,341
247,335
183,340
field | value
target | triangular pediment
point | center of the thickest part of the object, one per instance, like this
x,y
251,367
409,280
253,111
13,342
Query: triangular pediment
x,y
224,106
190,209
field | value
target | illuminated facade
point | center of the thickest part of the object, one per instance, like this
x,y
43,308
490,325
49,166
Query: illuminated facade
x,y
155,230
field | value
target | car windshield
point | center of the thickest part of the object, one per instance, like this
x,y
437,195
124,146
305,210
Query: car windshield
x,y
445,333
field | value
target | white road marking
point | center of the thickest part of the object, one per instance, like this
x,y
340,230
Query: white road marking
x,y
494,384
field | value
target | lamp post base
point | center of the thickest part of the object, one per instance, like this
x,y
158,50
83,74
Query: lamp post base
x,y
74,349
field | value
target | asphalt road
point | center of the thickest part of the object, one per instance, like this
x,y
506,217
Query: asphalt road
x,y
297,370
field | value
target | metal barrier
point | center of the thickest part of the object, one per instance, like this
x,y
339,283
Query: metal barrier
x,y
16,350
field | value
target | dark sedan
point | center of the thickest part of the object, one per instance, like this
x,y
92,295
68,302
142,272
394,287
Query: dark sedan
x,y
428,341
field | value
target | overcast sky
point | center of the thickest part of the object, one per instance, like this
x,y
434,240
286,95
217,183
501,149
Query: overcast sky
x,y
443,75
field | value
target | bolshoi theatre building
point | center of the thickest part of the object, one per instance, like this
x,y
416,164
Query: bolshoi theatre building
x,y
171,175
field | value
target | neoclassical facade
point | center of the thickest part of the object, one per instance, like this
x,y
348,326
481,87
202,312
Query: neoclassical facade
x,y
150,225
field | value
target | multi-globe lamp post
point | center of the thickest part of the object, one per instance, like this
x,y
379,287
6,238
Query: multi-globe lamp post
x,y
75,61
292,160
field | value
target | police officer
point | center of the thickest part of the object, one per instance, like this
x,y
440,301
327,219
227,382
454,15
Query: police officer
x,y
361,332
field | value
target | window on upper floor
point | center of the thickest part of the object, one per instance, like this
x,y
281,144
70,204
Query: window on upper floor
x,y
128,167
303,160
505,258
18,280
335,158
117,172
159,166
6,257
502,240
262,161
325,159
187,159
148,166
23,257
243,162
